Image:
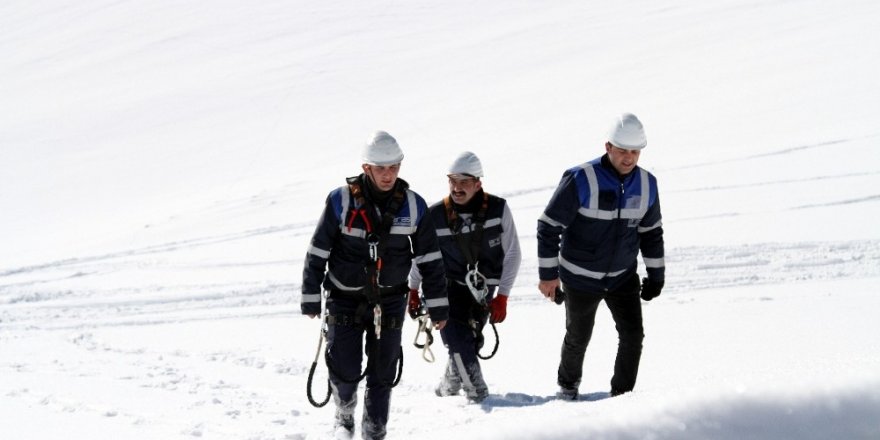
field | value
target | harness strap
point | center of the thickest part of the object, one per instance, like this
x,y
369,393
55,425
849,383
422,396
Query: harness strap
x,y
363,214
376,239
359,295
469,245
345,320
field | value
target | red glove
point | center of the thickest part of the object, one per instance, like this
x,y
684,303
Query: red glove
x,y
414,303
498,308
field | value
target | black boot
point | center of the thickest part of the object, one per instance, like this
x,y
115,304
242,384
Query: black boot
x,y
371,430
343,424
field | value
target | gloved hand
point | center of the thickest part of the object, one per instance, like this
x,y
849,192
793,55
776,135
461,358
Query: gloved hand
x,y
559,296
498,308
414,303
651,289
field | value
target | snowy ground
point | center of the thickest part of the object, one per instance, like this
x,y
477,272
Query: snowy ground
x,y
163,165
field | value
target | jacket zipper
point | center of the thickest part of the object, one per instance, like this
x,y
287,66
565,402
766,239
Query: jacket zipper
x,y
616,230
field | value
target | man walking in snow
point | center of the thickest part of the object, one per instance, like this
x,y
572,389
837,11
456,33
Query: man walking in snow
x,y
481,254
371,231
601,215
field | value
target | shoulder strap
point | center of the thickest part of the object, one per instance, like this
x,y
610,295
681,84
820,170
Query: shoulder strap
x,y
365,208
469,245
377,240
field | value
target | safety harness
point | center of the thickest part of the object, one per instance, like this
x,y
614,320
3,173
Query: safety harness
x,y
371,294
470,249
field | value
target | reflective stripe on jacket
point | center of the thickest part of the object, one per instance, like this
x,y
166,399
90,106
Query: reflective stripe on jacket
x,y
500,254
339,253
595,225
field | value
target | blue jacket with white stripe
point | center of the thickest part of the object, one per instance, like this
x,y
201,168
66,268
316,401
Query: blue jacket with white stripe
x,y
340,247
595,225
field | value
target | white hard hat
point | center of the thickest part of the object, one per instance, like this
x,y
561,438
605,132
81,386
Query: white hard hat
x,y
467,163
627,133
381,149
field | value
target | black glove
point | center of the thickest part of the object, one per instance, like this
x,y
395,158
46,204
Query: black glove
x,y
559,296
651,289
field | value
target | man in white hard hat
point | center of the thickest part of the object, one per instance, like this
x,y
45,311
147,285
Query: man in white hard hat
x,y
371,231
601,215
482,256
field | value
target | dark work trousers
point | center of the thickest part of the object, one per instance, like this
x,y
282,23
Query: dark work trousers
x,y
345,345
463,337
458,336
580,315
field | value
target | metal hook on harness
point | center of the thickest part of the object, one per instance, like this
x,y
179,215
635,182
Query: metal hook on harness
x,y
476,283
373,243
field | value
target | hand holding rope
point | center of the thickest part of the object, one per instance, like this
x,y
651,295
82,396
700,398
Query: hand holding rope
x,y
419,313
321,337
427,354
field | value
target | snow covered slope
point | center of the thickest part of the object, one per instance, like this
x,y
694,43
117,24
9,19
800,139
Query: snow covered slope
x,y
163,165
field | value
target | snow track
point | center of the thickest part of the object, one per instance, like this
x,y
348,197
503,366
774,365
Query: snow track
x,y
158,284
163,165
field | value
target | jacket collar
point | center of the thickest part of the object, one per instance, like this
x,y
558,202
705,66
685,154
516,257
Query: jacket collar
x,y
606,163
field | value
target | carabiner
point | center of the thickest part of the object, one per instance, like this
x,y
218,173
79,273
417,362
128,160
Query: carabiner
x,y
476,283
373,243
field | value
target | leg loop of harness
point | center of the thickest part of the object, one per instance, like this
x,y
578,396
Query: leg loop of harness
x,y
379,322
388,322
